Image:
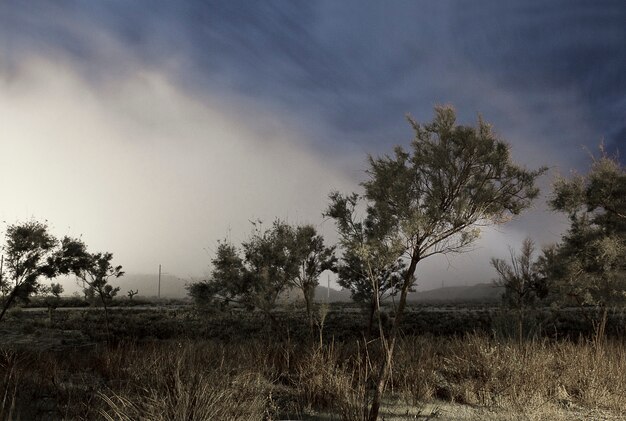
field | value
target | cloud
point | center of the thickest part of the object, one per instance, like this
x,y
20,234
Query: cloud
x,y
153,127
147,172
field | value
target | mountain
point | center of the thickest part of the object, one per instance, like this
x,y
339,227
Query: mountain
x,y
479,293
474,293
330,295
148,285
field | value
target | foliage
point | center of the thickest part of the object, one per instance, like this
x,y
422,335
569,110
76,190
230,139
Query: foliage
x,y
255,275
313,258
432,200
94,269
354,275
522,280
589,264
29,256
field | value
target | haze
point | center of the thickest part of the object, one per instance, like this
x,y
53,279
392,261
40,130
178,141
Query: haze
x,y
154,129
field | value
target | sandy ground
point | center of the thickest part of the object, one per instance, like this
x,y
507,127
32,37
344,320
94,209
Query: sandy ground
x,y
445,411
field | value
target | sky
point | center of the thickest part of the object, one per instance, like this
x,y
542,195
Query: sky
x,y
152,129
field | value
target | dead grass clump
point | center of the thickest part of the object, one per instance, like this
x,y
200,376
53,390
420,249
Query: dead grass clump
x,y
481,371
326,381
186,381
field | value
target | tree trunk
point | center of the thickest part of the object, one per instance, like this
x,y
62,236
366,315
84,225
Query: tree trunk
x,y
309,307
8,303
385,369
106,317
520,327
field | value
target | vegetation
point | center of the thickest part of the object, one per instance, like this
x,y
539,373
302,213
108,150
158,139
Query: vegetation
x,y
523,283
432,200
228,367
132,293
29,250
255,280
274,260
313,258
177,362
589,265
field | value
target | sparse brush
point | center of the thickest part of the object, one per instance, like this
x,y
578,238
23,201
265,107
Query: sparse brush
x,y
326,382
186,382
260,379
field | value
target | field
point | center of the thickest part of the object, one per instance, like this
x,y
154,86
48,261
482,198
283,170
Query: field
x,y
171,362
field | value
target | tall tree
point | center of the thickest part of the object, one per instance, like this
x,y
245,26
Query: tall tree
x,y
313,258
433,200
29,249
589,264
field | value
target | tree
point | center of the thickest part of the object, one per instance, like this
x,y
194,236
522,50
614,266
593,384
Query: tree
x,y
29,249
368,285
367,267
255,275
313,258
95,270
132,293
96,275
522,280
52,297
589,264
432,200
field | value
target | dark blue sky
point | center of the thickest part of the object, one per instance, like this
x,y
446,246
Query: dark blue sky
x,y
267,87
554,71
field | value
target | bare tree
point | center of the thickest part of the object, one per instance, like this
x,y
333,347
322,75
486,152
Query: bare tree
x,y
522,281
132,293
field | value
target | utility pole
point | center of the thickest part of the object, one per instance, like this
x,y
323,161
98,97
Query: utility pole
x,y
1,273
160,273
327,288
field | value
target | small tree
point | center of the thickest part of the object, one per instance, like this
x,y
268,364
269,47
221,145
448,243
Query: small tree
x,y
256,279
313,258
96,274
95,270
29,248
132,293
589,265
522,281
432,200
52,297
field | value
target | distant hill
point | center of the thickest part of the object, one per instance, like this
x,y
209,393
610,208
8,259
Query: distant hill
x,y
474,293
174,287
487,293
171,286
323,294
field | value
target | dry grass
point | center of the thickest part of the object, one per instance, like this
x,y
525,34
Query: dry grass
x,y
259,380
183,382
526,379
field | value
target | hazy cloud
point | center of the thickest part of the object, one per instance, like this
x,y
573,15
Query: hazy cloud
x,y
153,127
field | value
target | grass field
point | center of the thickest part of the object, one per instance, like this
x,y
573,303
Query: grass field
x,y
173,363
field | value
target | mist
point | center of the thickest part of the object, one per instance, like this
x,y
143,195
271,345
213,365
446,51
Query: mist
x,y
153,131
